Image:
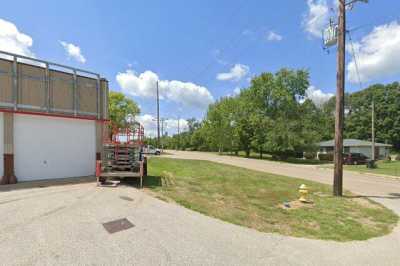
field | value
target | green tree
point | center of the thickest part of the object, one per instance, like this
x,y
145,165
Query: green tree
x,y
387,114
276,111
120,107
219,124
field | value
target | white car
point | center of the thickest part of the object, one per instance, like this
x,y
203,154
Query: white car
x,y
151,150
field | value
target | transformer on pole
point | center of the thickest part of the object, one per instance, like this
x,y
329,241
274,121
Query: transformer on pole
x,y
336,34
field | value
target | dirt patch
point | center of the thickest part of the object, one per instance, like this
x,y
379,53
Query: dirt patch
x,y
314,225
321,194
296,204
367,203
367,222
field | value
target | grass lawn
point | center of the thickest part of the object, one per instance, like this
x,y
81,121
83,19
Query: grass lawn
x,y
384,168
253,199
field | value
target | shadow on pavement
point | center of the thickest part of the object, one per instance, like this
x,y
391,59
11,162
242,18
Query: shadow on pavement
x,y
148,182
48,183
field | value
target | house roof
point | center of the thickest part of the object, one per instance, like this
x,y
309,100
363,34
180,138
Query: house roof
x,y
352,143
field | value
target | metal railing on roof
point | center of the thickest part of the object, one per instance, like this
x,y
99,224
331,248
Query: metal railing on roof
x,y
49,63
46,65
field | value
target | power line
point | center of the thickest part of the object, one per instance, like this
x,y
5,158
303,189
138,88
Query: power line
x,y
230,44
375,22
227,22
355,60
235,58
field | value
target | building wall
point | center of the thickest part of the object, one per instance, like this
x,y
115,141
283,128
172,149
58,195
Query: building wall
x,y
1,145
367,151
384,152
364,150
51,147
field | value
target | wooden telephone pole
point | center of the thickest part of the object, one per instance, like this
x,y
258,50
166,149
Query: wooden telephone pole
x,y
340,81
373,131
179,133
339,115
158,117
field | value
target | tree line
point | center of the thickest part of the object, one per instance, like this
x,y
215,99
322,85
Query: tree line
x,y
274,116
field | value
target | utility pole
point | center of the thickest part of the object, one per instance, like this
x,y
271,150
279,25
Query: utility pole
x,y
373,130
339,114
340,84
158,117
162,133
179,133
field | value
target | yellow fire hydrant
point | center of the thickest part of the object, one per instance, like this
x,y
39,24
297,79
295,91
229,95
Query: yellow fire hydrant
x,y
303,190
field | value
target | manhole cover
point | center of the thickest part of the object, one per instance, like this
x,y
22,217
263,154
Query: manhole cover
x,y
118,225
126,198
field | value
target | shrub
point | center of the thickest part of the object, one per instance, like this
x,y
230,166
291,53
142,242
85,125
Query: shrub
x,y
397,158
372,165
325,157
310,155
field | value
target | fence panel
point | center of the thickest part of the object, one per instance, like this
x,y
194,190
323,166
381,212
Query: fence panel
x,y
6,99
61,92
31,87
87,93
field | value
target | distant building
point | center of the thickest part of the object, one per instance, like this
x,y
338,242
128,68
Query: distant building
x,y
357,146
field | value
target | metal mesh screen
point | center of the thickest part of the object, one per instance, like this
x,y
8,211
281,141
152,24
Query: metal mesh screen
x,y
62,92
31,87
43,86
5,83
87,91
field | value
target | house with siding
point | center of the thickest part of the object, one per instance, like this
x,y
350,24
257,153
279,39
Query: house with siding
x,y
382,150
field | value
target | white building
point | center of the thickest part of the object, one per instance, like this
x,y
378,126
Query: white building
x,y
51,119
382,151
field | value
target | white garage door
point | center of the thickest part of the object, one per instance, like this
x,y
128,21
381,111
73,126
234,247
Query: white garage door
x,y
1,144
49,147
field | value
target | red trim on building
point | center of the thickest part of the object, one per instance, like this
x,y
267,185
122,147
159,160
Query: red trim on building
x,y
53,115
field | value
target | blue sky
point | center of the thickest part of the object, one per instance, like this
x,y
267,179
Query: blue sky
x,y
178,42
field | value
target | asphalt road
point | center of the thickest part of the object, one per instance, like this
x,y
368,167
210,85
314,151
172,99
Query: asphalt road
x,y
62,225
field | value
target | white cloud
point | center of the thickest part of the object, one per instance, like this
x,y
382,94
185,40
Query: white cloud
x,y
14,41
237,91
377,54
316,18
218,57
236,73
73,51
317,96
274,37
144,85
247,32
149,123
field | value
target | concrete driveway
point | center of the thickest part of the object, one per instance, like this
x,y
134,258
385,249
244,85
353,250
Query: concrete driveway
x,y
62,225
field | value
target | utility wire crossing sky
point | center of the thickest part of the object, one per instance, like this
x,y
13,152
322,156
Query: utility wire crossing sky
x,y
200,51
